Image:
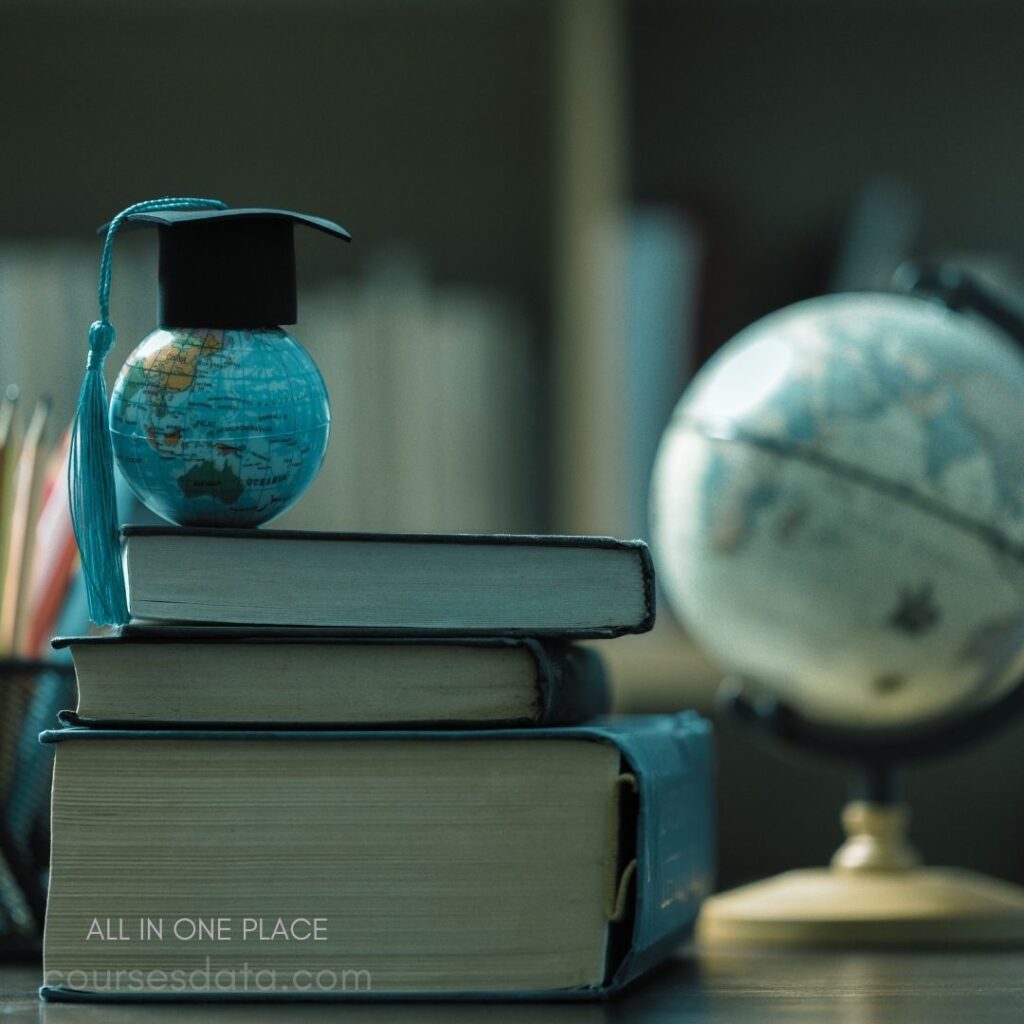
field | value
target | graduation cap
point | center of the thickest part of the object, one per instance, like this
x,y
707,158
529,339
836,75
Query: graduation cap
x,y
219,268
228,268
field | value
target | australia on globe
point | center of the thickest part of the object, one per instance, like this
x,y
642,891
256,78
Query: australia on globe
x,y
219,427
838,507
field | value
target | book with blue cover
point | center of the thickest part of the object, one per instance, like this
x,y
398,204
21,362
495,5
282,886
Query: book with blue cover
x,y
282,865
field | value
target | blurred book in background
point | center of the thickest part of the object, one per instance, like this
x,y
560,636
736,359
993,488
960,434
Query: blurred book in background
x,y
434,389
47,302
434,407
664,264
880,232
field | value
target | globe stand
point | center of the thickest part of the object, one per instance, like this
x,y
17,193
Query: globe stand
x,y
875,893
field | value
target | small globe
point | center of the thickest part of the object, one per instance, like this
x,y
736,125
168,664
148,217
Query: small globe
x,y
838,509
219,427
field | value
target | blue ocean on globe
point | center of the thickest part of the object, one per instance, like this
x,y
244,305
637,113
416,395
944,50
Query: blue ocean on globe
x,y
219,427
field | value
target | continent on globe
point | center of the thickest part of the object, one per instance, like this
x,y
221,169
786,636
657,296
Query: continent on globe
x,y
219,482
171,368
219,427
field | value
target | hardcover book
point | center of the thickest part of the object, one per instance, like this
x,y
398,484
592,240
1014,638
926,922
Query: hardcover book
x,y
205,865
440,584
232,677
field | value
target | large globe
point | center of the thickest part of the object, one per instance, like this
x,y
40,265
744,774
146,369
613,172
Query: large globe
x,y
838,508
219,427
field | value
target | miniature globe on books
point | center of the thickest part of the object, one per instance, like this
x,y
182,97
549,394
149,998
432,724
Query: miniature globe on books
x,y
839,508
219,417
219,427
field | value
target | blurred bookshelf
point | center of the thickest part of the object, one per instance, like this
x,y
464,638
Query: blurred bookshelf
x,y
783,150
519,172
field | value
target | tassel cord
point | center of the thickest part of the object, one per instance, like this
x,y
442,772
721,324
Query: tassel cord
x,y
92,493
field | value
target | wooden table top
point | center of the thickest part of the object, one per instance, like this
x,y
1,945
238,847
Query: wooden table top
x,y
717,987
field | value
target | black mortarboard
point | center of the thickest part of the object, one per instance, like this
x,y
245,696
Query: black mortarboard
x,y
228,268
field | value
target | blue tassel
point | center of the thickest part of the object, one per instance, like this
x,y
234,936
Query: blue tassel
x,y
91,491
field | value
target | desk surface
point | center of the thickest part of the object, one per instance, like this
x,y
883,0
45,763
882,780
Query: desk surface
x,y
734,988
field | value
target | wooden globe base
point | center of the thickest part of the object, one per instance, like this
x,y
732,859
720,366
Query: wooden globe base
x,y
831,907
873,895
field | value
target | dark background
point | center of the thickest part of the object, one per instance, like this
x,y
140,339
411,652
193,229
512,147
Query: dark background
x,y
435,126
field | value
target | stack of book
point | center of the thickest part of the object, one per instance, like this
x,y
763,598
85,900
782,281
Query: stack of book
x,y
319,766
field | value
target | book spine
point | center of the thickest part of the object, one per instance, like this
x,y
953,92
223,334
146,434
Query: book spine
x,y
675,838
572,685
